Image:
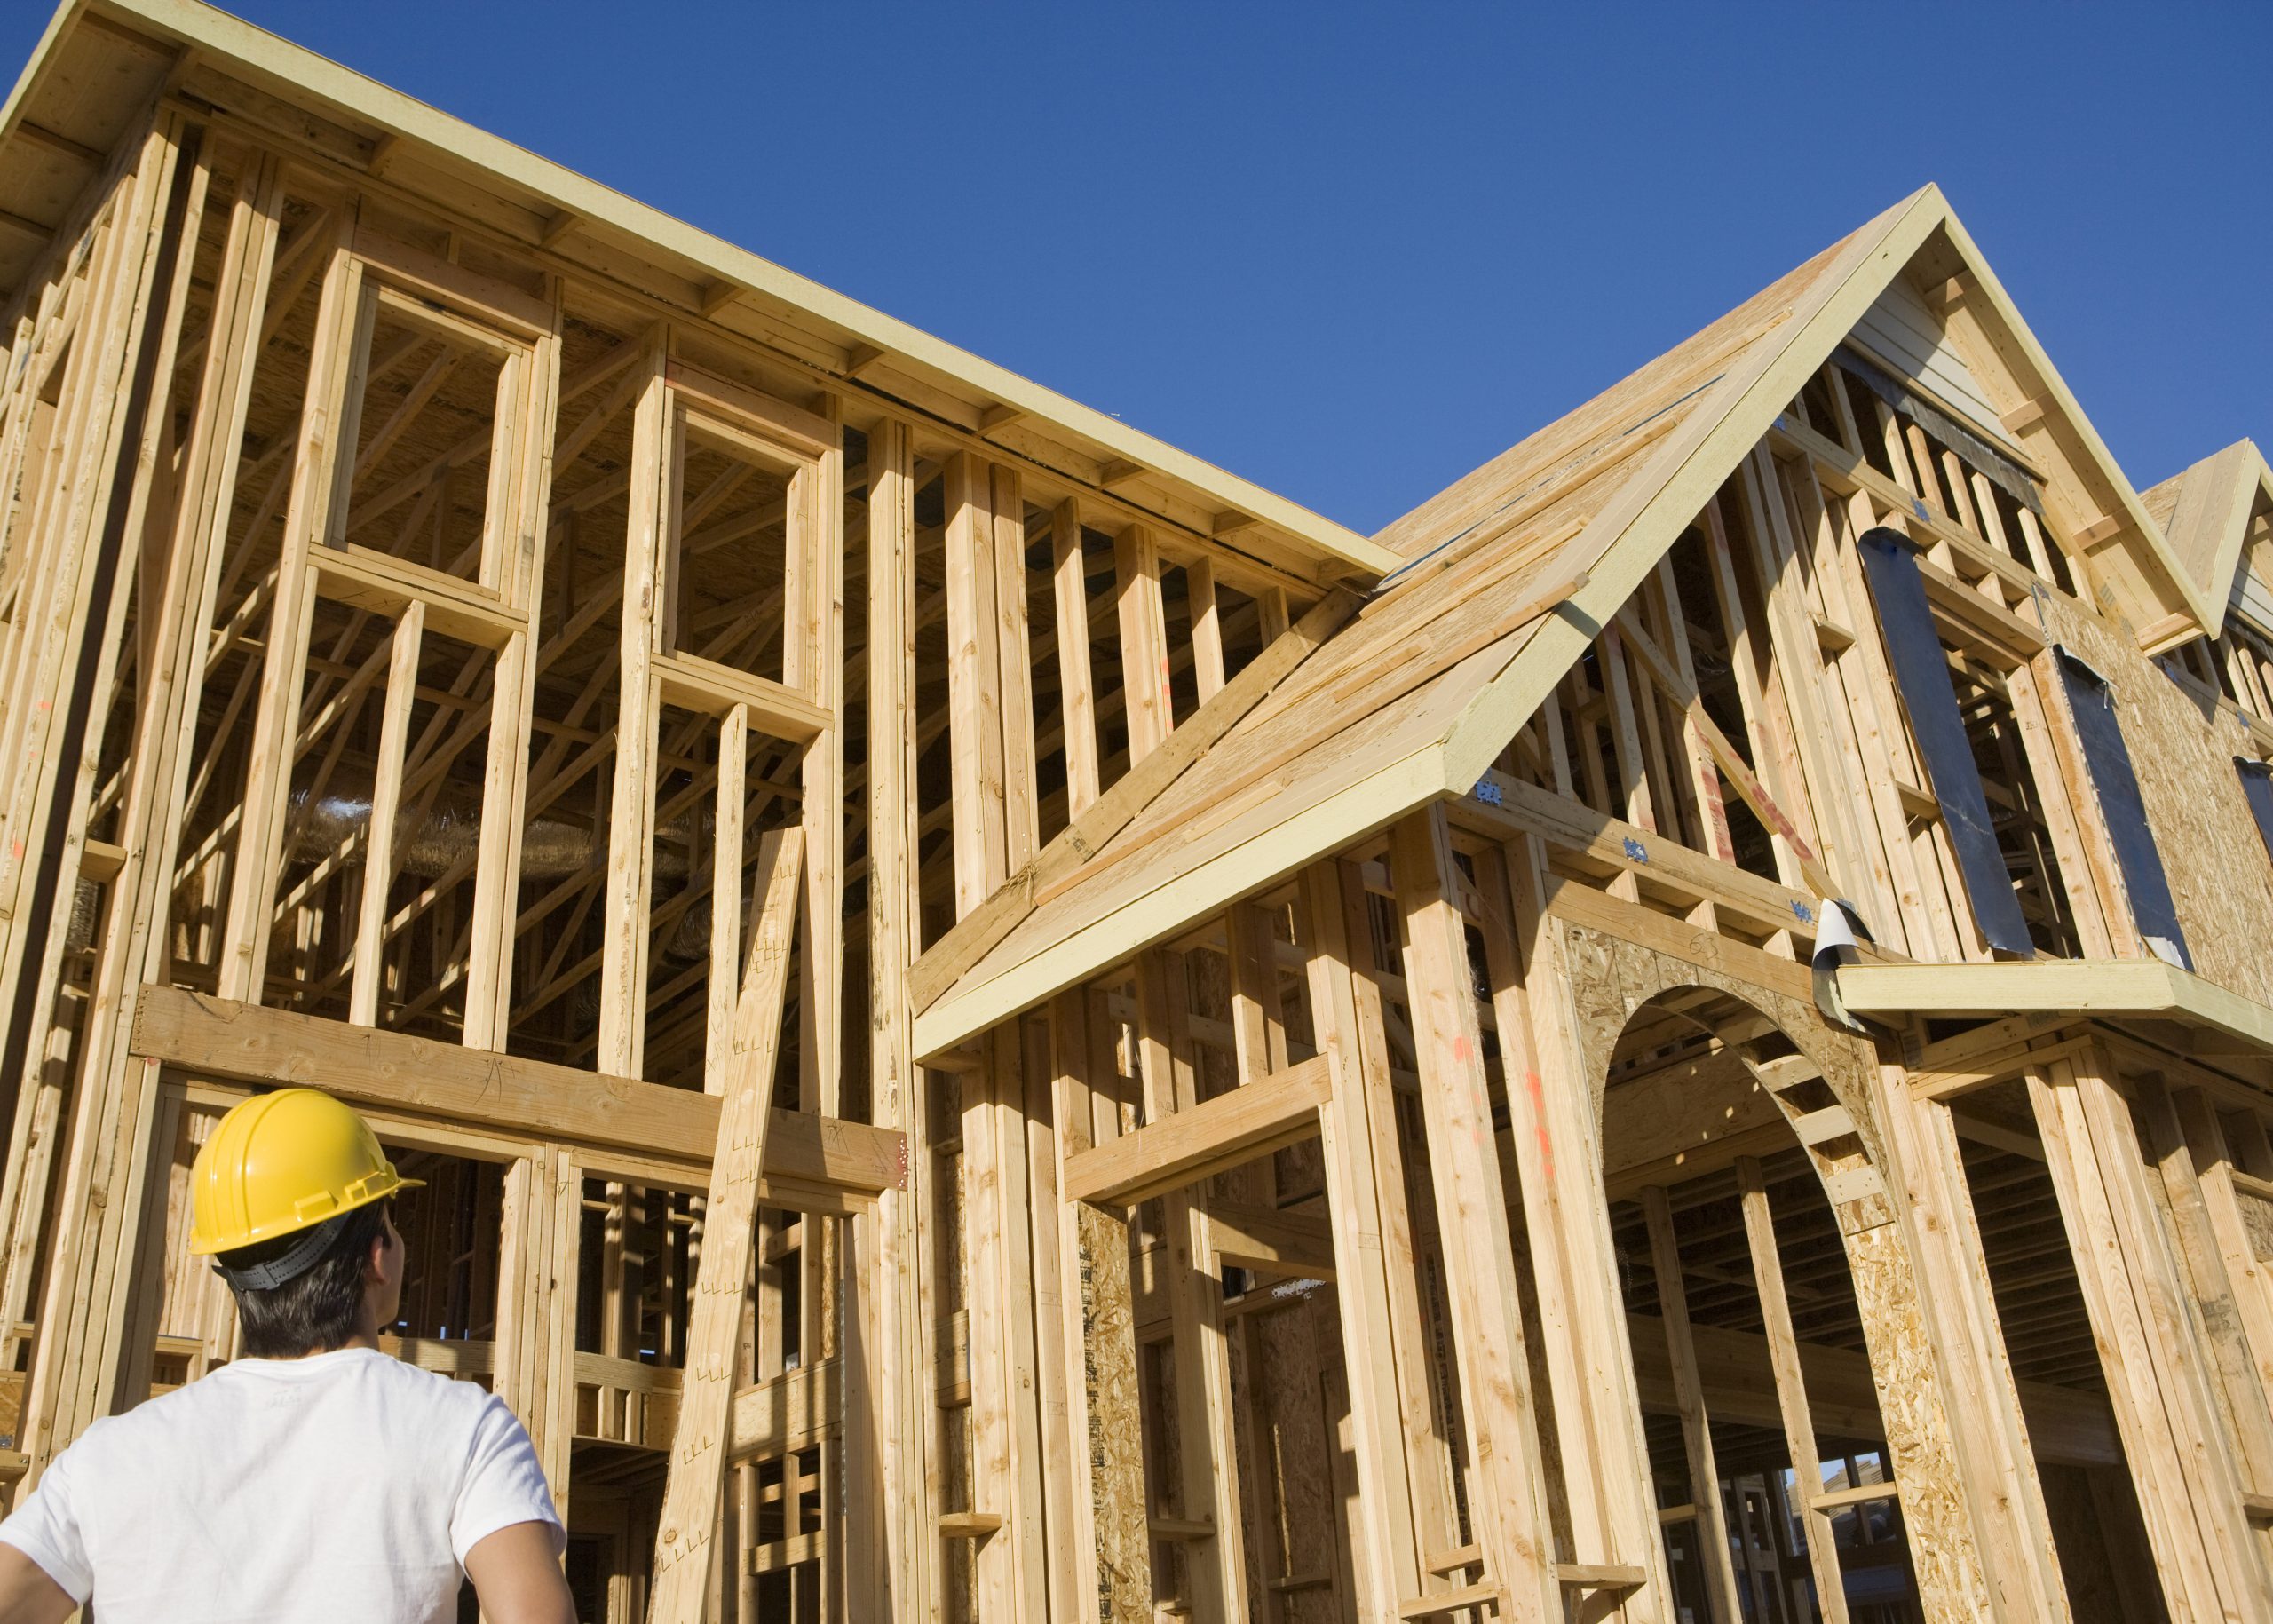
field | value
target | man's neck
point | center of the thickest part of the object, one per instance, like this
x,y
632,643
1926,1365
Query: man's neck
x,y
366,1335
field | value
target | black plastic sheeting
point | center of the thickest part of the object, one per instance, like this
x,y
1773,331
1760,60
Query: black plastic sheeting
x,y
1921,672
2122,810
2257,784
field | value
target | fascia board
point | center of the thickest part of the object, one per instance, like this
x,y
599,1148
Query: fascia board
x,y
2082,986
1633,532
1250,865
2190,595
12,111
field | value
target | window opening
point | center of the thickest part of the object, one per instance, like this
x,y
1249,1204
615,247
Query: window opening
x,y
2107,760
1921,677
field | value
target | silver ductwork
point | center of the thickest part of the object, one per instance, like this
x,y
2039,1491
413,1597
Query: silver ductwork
x,y
434,834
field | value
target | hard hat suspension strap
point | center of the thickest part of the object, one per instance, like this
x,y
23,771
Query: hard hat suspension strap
x,y
303,1254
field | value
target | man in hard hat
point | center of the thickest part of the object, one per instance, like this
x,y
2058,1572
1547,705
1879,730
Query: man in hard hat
x,y
314,1478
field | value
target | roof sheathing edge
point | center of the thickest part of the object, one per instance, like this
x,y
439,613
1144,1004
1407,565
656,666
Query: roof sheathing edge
x,y
1449,767
2190,597
1636,528
227,41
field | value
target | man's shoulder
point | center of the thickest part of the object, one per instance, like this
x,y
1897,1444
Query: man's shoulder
x,y
135,1431
429,1389
259,1381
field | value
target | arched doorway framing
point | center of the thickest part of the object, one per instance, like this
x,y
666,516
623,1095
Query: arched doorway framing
x,y
1608,979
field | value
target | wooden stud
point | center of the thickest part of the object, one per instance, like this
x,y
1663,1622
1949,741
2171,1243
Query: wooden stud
x,y
688,1519
1493,1369
386,798
1791,1388
1076,690
1719,1583
1144,642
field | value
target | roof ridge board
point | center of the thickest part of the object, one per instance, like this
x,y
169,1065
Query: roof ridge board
x,y
234,44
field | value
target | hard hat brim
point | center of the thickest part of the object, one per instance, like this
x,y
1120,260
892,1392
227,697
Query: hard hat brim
x,y
205,1247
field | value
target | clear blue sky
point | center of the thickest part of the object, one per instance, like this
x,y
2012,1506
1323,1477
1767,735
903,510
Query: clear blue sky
x,y
1352,251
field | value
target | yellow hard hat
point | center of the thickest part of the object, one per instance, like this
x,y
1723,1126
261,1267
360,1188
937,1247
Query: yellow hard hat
x,y
281,1163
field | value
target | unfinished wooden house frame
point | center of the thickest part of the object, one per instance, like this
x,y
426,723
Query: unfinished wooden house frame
x,y
1003,1025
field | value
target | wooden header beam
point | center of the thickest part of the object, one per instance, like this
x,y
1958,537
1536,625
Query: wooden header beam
x,y
1211,1138
811,1163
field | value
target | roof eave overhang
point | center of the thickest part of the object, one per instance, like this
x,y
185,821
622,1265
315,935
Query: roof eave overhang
x,y
308,80
2087,988
1631,534
1242,869
2175,592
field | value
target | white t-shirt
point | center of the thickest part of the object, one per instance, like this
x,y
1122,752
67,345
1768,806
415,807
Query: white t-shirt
x,y
348,1485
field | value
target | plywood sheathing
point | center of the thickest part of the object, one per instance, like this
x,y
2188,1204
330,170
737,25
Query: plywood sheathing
x,y
2196,806
2204,512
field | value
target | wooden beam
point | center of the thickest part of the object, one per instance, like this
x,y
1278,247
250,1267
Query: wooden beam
x,y
1149,704
980,931
974,683
1732,765
1076,689
894,1348
1207,1481
204,1035
1721,1599
1276,1242
688,1519
2101,987
386,794
1791,1386
1186,1146
1493,1367
1377,1283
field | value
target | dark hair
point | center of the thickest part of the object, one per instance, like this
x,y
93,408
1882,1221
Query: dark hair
x,y
314,1311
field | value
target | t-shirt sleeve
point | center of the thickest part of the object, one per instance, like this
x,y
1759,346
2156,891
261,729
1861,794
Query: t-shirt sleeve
x,y
46,1529
504,1483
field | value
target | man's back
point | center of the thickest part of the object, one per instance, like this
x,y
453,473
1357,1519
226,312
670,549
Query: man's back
x,y
285,1489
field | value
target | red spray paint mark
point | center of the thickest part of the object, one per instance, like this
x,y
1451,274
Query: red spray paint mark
x,y
1459,1048
1539,1115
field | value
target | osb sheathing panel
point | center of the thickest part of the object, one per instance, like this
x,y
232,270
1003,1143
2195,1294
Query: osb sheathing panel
x,y
1610,979
2211,850
1124,1575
